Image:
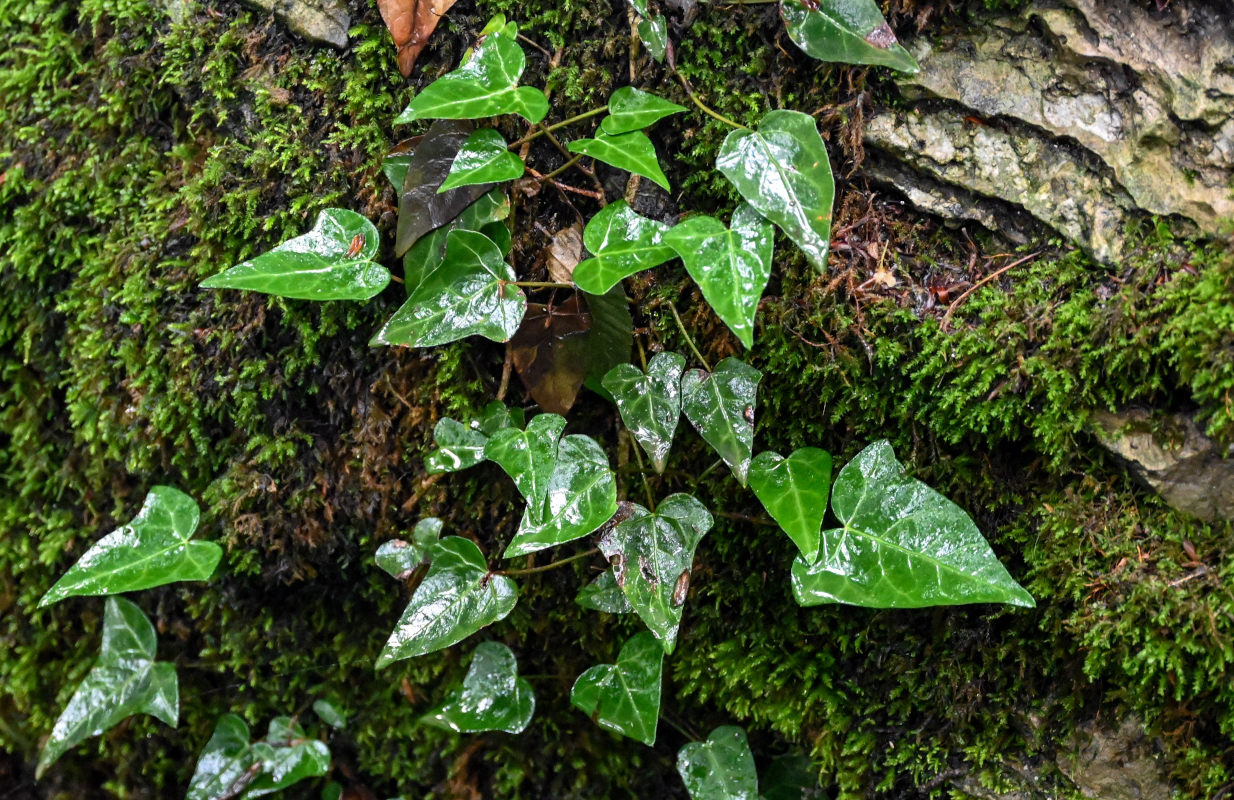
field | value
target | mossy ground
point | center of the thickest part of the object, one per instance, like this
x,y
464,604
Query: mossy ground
x,y
138,157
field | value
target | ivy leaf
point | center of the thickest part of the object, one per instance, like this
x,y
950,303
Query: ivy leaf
x,y
721,768
794,491
126,680
471,292
652,555
625,697
603,594
333,261
903,545
458,597
528,456
287,756
399,558
631,109
231,766
483,216
153,549
421,206
483,159
622,242
330,714
485,86
721,406
653,30
846,31
580,496
492,698
631,151
730,266
225,762
650,404
461,446
782,170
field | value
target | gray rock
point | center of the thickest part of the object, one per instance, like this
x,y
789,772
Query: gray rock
x,y
323,21
1174,458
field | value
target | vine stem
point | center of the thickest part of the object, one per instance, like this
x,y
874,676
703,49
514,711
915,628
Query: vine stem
x,y
690,341
547,567
685,84
540,284
543,129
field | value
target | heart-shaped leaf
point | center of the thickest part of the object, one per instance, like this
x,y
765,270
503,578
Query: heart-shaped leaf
x,y
603,594
333,261
721,768
846,31
231,766
652,555
422,206
622,243
153,549
399,558
794,491
287,756
482,216
492,698
652,30
730,265
471,292
650,404
625,697
528,456
721,406
126,680
225,762
461,446
485,86
580,496
483,159
631,109
903,545
631,151
458,597
782,170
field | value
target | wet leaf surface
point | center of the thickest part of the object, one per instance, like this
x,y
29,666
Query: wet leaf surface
x,y
231,766
720,405
581,496
287,757
333,261
226,760
631,109
528,456
625,697
622,242
845,31
730,265
421,206
461,446
650,403
549,367
458,597
903,545
631,151
721,768
492,697
330,714
126,680
482,216
782,170
603,594
411,23
483,159
398,558
652,555
153,549
470,293
794,491
652,30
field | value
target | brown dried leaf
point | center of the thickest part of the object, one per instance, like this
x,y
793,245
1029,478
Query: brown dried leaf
x,y
411,23
548,365
564,253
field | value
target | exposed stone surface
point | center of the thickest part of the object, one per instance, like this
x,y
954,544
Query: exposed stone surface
x,y
324,21
1173,457
1081,112
1112,764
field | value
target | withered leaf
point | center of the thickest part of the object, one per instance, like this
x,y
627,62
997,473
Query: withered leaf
x,y
420,208
564,253
411,23
550,367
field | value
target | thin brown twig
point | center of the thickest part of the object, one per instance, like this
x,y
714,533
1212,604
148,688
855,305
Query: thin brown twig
x,y
956,303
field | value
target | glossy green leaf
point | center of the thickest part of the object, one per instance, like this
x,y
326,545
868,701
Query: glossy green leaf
x,y
622,243
654,33
398,557
485,86
287,757
845,31
528,456
794,491
501,236
631,109
631,151
730,265
457,597
652,555
470,292
580,496
720,405
333,261
461,446
484,158
625,697
227,762
782,170
903,545
394,167
153,549
126,680
789,777
721,768
429,251
330,714
492,698
232,767
650,403
603,594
